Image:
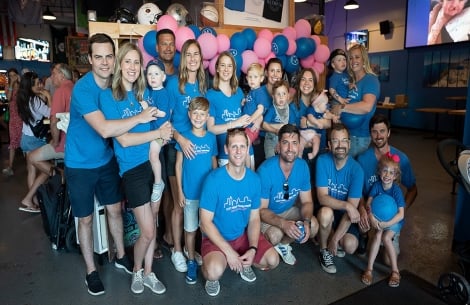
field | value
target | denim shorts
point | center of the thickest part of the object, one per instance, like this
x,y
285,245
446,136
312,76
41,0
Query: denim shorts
x,y
395,228
30,143
191,215
358,145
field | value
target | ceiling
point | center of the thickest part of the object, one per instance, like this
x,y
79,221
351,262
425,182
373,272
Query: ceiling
x,y
62,9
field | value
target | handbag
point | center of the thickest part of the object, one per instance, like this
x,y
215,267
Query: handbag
x,y
40,130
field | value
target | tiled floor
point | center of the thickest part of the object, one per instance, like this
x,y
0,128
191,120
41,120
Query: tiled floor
x,y
33,273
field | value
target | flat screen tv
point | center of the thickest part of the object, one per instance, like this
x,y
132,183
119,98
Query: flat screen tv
x,y
32,49
433,22
357,37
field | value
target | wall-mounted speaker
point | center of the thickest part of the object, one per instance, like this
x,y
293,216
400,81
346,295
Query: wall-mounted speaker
x,y
384,27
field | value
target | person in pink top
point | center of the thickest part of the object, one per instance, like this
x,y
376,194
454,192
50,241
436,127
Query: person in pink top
x,y
40,157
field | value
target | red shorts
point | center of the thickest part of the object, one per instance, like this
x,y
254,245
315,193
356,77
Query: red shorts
x,y
241,245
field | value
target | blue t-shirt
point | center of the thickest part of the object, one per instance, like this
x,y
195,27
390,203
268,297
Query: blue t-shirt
x,y
230,200
85,147
161,100
358,124
321,132
224,109
395,192
271,116
272,181
196,169
369,163
131,156
339,82
342,184
179,102
254,98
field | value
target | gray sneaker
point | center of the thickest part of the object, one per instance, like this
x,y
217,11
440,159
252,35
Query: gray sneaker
x,y
212,288
326,261
152,282
247,274
137,285
157,191
340,252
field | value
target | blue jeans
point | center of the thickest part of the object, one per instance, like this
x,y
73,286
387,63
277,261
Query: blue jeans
x,y
358,145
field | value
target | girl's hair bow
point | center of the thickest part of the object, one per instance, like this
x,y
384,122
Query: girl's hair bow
x,y
394,157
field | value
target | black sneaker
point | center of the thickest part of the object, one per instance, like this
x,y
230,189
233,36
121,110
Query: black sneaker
x,y
326,261
94,284
124,263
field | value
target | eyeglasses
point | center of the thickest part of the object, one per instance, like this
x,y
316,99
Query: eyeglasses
x,y
391,172
236,129
337,141
285,188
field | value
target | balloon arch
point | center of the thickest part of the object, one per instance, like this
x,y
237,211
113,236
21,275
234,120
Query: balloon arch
x,y
294,46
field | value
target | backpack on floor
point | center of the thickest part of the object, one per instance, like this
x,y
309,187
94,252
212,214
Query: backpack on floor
x,y
55,209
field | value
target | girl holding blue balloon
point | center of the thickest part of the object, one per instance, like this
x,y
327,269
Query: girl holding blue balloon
x,y
386,209
362,99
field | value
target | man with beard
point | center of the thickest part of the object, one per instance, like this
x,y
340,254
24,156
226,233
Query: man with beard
x,y
379,127
286,196
339,180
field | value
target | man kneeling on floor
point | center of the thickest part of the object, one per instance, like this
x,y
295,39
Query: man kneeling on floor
x,y
230,221
286,196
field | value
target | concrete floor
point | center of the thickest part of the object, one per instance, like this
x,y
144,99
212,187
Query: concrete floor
x,y
33,273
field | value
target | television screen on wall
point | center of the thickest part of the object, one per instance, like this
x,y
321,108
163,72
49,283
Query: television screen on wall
x,y
432,22
357,37
32,49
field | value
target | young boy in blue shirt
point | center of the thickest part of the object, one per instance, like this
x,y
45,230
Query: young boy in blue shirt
x,y
190,174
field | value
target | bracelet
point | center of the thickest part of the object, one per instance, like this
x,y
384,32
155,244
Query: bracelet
x,y
254,248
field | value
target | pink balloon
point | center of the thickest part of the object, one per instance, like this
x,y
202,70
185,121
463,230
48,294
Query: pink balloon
x,y
261,62
302,28
317,39
146,57
249,57
140,43
319,67
223,43
181,35
265,33
292,47
290,33
205,63
271,55
307,61
262,47
322,53
212,65
208,44
167,22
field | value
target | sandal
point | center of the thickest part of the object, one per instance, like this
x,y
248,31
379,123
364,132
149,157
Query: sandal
x,y
367,277
394,280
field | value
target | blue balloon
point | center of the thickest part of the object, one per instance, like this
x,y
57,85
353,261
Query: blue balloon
x,y
384,207
176,59
209,29
250,36
238,42
150,43
195,29
238,58
279,45
305,47
283,60
292,64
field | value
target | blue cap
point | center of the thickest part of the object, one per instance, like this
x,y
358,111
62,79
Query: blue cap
x,y
156,62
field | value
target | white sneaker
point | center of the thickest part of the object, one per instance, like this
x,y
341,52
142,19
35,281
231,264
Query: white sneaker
x,y
285,251
179,261
197,256
157,191
152,282
212,288
137,285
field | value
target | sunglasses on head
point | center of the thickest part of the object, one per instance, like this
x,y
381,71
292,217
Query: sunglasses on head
x,y
285,188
